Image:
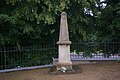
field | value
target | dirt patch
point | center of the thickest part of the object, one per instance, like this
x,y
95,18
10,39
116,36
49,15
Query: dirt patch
x,y
97,71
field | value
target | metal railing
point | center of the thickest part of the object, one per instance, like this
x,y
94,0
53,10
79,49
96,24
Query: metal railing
x,y
37,55
97,50
26,56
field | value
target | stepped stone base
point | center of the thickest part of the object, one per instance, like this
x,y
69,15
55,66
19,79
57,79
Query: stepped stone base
x,y
71,70
64,66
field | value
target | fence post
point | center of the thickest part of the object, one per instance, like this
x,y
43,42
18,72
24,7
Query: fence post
x,y
4,51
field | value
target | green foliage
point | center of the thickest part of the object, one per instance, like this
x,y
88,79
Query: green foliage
x,y
23,19
3,17
26,20
109,20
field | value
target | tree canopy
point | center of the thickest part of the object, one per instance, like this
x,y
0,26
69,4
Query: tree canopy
x,y
110,20
25,21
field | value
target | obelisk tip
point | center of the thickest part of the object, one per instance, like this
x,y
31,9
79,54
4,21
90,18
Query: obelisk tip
x,y
63,13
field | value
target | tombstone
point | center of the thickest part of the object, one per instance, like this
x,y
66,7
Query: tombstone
x,y
64,45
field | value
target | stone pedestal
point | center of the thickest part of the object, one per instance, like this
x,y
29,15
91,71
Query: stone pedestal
x,y
64,57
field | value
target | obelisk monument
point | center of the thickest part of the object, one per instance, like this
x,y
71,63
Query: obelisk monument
x,y
64,44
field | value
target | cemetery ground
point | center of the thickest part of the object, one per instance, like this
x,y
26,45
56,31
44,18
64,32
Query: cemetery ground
x,y
100,70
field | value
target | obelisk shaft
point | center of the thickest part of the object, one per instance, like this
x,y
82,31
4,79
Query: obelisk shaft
x,y
64,34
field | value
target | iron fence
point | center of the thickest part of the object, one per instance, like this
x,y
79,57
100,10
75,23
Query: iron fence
x,y
36,55
26,56
96,50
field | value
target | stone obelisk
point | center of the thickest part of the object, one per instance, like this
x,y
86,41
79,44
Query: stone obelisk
x,y
64,44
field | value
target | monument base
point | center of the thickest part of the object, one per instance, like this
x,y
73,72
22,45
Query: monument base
x,y
64,66
73,69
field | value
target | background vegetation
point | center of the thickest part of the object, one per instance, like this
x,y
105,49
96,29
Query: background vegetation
x,y
37,21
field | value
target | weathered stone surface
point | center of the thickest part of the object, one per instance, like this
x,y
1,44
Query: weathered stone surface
x,y
64,45
64,34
